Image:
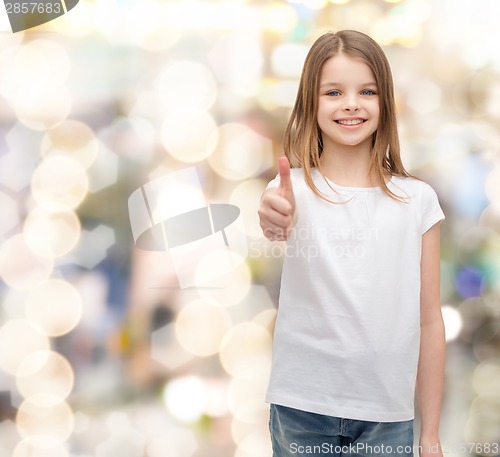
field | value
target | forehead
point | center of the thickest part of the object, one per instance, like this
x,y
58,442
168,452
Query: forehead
x,y
345,69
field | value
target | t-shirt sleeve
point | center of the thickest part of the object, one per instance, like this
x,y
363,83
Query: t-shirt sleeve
x,y
431,210
275,182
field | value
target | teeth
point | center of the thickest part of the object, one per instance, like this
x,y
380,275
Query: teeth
x,y
350,121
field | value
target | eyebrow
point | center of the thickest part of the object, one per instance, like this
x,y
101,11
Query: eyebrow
x,y
335,84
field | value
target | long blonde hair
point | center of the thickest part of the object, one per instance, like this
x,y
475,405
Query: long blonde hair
x,y
303,141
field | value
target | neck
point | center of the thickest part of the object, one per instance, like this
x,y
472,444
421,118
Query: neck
x,y
348,165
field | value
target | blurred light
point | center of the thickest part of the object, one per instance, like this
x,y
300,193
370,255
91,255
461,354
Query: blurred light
x,y
10,215
18,162
240,152
198,15
484,417
140,20
45,372
186,85
72,138
215,404
104,171
238,60
51,234
133,138
486,378
244,395
287,59
30,447
469,282
45,417
229,289
424,96
256,443
246,196
93,246
313,4
59,183
22,338
20,65
184,398
44,110
266,318
279,17
493,185
56,57
452,322
20,267
166,349
246,349
180,442
342,2
123,440
475,312
241,430
189,135
77,23
200,327
56,306
403,24
485,341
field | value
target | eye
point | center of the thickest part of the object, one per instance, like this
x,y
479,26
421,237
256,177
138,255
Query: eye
x,y
333,93
368,92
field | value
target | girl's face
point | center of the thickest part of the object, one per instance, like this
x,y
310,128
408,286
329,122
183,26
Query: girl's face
x,y
348,103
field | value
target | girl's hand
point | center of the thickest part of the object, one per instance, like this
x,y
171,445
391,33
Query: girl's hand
x,y
277,212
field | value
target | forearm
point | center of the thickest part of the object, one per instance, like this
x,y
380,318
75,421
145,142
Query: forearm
x,y
430,376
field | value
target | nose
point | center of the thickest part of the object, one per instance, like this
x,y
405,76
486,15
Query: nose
x,y
351,104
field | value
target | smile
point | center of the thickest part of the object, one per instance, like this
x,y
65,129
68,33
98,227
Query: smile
x,y
350,121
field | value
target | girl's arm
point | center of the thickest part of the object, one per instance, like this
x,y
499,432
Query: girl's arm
x,y
430,374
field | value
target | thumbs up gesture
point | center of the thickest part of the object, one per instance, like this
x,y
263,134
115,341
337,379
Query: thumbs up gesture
x,y
277,212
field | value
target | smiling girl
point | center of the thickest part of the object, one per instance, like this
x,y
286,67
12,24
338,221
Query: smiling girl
x,y
359,325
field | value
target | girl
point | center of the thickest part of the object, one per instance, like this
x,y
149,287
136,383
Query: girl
x,y
359,323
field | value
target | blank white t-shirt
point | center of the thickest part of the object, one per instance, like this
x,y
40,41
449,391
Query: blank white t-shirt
x,y
347,334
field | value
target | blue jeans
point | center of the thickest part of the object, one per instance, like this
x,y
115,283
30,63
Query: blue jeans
x,y
296,433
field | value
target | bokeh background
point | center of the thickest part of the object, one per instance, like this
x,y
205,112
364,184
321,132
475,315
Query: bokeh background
x,y
101,353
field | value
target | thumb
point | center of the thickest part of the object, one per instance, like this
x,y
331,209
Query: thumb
x,y
285,187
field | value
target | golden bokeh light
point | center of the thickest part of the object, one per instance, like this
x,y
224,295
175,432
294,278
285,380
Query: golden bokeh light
x,y
22,338
240,153
246,349
20,267
243,394
72,138
44,110
486,377
288,59
56,306
186,85
180,442
279,17
40,447
45,372
189,135
223,277
246,196
184,397
59,183
200,327
51,234
45,418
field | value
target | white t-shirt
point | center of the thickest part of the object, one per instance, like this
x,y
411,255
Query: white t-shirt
x,y
347,334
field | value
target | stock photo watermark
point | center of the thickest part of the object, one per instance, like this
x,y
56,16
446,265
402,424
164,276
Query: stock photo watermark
x,y
26,14
387,449
308,242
